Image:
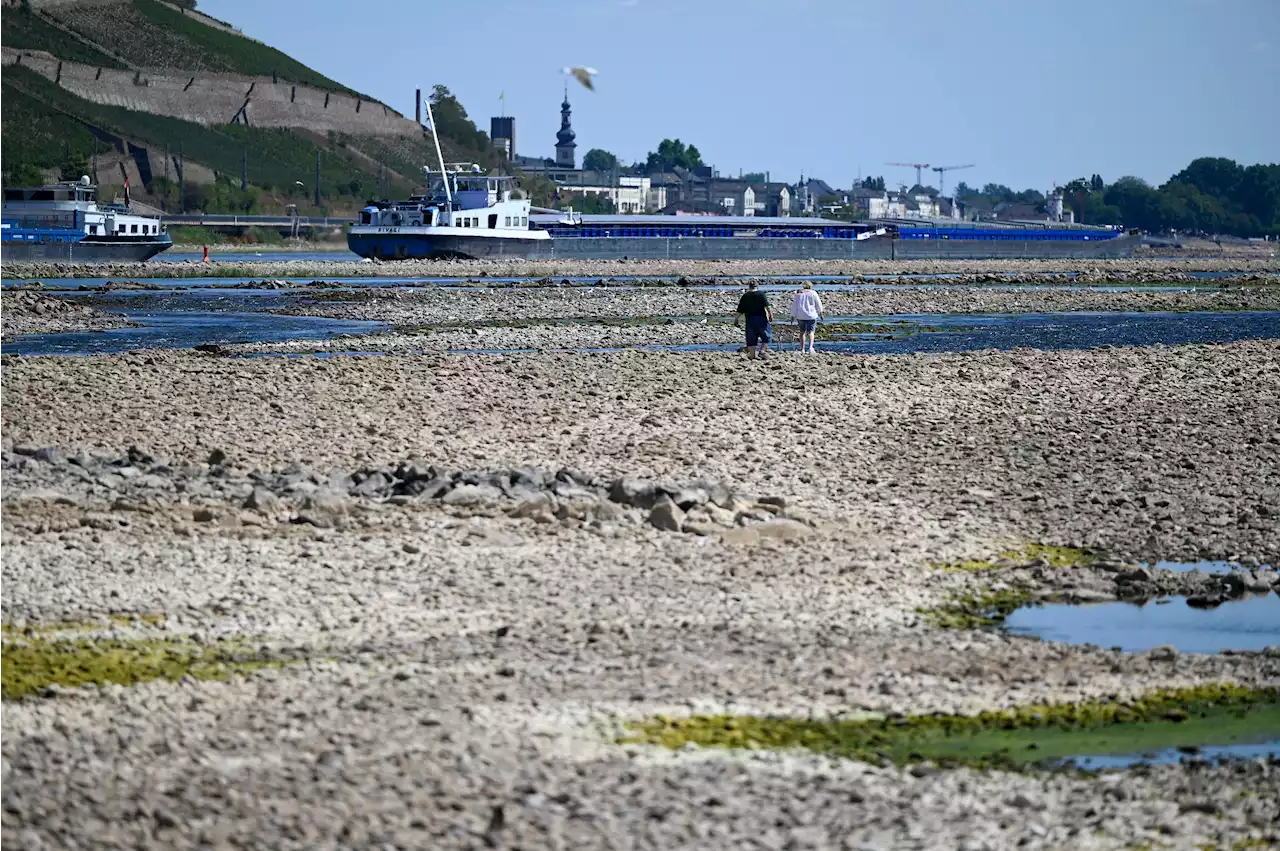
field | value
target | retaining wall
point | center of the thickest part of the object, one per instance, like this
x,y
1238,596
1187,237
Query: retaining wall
x,y
209,99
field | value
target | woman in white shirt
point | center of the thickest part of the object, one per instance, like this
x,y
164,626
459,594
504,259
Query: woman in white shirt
x,y
806,309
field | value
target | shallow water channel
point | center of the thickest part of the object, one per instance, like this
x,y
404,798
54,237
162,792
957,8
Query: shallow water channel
x,y
1250,623
169,329
219,317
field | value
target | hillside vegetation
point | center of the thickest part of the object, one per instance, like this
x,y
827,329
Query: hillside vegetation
x,y
47,127
56,133
22,28
151,34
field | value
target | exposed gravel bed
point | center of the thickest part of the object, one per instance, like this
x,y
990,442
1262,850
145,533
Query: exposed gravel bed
x,y
446,305
31,313
466,664
536,337
1092,269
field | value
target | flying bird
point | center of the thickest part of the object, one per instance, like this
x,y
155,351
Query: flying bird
x,y
583,75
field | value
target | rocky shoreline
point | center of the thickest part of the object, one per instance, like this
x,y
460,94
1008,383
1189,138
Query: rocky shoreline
x,y
1127,270
31,313
469,571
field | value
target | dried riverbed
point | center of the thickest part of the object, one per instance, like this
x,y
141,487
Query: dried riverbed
x,y
448,305
31,313
1132,270
438,605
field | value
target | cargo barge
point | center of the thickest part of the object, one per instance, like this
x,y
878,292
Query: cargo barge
x,y
465,214
64,222
482,217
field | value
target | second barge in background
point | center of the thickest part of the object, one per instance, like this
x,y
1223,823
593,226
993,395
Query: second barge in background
x,y
469,215
64,222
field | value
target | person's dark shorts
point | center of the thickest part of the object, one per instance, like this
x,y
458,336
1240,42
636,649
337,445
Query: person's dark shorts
x,y
807,325
758,331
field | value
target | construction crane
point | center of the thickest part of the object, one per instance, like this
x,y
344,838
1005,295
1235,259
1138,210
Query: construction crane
x,y
942,174
919,167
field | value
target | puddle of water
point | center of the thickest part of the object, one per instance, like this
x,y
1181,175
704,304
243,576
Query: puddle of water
x,y
1243,750
184,330
1189,566
1252,623
947,332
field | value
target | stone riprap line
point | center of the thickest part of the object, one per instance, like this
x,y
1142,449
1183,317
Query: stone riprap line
x,y
32,313
1130,270
451,672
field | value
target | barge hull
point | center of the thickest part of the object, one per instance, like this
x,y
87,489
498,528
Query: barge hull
x,y
83,251
736,248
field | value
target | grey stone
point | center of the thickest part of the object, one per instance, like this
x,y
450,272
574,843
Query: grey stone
x,y
666,515
1164,653
687,498
472,495
262,500
373,484
631,491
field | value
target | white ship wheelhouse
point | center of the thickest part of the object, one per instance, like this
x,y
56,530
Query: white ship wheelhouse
x,y
455,201
74,207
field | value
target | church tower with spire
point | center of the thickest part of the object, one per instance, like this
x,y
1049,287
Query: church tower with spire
x,y
565,145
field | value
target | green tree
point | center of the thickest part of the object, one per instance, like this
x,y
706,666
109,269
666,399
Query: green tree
x,y
26,174
595,204
876,184
599,160
1258,194
1138,203
672,153
755,177
1216,176
453,124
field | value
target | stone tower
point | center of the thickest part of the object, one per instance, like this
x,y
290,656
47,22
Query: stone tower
x,y
564,139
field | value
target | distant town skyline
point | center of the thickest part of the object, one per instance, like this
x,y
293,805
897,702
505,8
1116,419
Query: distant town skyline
x,y
1031,94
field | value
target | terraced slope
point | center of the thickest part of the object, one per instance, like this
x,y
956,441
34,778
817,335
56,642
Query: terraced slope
x,y
22,28
150,34
54,121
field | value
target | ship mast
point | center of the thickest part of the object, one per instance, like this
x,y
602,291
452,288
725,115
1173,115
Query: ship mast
x,y
436,137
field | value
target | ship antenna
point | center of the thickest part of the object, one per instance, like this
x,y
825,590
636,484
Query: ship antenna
x,y
436,136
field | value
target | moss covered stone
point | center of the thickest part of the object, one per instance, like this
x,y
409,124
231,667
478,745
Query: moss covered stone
x,y
36,662
1023,555
977,610
1007,738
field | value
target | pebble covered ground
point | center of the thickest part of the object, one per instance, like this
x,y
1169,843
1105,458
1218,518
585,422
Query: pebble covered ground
x,y
452,319
1150,269
32,313
472,570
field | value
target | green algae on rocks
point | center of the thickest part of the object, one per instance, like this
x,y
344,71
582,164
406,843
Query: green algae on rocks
x,y
975,611
36,662
1010,738
1026,555
123,619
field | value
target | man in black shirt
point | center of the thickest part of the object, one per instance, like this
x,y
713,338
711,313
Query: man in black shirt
x,y
754,305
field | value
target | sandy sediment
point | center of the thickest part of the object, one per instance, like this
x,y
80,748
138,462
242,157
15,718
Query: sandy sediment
x,y
465,659
1101,270
32,313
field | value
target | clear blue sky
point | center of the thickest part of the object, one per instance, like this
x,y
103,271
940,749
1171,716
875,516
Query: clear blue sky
x,y
1031,91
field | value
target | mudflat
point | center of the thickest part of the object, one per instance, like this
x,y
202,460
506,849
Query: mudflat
x,y
420,600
